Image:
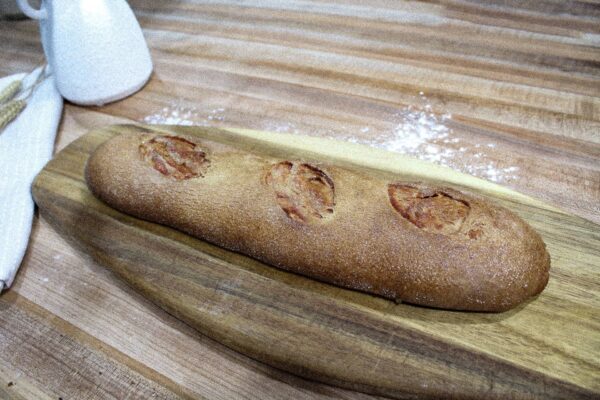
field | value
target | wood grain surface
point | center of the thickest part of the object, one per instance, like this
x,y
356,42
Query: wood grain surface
x,y
340,336
520,81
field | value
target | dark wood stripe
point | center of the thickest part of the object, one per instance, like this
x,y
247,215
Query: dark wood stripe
x,y
48,359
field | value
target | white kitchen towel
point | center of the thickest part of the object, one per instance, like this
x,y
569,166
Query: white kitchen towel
x,y
26,145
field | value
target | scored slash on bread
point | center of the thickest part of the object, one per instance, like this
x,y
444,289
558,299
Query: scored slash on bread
x,y
432,211
407,241
302,190
175,157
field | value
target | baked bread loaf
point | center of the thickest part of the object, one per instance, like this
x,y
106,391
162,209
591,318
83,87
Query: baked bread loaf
x,y
406,241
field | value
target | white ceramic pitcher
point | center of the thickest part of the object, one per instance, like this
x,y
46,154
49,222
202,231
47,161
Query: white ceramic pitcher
x,y
95,48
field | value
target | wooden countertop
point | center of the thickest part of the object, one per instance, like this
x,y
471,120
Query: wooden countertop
x,y
507,91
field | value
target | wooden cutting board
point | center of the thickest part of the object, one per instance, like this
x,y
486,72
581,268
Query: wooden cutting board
x,y
548,348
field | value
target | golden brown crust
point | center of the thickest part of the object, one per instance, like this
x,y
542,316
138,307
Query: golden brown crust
x,y
407,241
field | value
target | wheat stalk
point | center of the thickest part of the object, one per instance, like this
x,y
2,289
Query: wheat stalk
x,y
10,91
10,111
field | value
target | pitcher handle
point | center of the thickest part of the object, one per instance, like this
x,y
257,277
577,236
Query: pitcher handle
x,y
30,11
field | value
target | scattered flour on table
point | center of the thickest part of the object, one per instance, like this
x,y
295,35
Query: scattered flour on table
x,y
416,131
421,133
286,127
178,114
